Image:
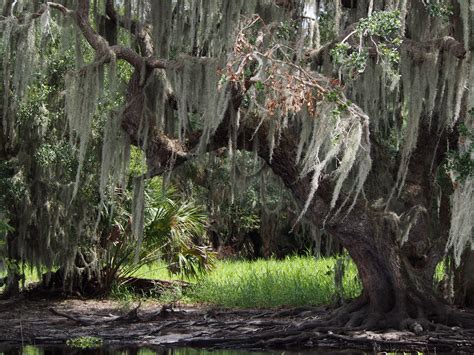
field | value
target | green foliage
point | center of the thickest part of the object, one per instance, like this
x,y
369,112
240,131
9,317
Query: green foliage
x,y
344,57
84,342
385,24
340,52
440,8
335,96
233,211
259,86
137,166
172,230
175,226
247,221
379,32
390,54
5,226
193,261
55,154
460,162
326,27
287,30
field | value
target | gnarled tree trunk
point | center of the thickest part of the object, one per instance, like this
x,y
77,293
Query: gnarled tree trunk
x,y
398,289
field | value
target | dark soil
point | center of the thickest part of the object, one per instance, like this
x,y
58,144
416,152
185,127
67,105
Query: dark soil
x,y
49,322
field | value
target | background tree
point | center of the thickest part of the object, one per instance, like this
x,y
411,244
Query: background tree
x,y
79,234
251,213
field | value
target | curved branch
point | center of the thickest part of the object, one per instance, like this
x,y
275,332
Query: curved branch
x,y
98,43
62,8
446,44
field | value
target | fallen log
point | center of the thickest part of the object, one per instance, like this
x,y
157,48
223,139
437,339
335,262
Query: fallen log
x,y
129,317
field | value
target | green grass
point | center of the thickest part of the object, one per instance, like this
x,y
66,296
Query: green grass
x,y
294,281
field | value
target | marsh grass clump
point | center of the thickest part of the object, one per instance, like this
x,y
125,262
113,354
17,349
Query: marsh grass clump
x,y
84,342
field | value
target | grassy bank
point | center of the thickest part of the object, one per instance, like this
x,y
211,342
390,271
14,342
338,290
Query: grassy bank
x,y
293,281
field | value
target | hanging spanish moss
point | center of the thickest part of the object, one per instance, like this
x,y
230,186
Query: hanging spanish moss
x,y
337,16
403,6
19,60
200,96
115,154
424,94
82,93
7,29
332,135
461,232
138,212
25,60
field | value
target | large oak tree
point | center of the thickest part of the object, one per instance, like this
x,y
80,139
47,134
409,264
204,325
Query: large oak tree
x,y
362,108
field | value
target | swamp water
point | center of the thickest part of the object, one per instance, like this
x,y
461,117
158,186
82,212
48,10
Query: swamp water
x,y
63,350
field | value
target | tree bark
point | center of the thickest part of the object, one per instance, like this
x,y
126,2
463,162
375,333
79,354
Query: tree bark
x,y
464,281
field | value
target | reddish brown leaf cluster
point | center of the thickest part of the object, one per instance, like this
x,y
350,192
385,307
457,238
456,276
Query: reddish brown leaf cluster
x,y
265,69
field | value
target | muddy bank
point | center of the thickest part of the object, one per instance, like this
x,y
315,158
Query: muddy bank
x,y
50,322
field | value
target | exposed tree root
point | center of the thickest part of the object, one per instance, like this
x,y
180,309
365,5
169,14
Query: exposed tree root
x,y
341,325
452,317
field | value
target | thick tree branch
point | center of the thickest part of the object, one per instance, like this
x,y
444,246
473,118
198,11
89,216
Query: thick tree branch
x,y
62,8
419,50
164,153
446,44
